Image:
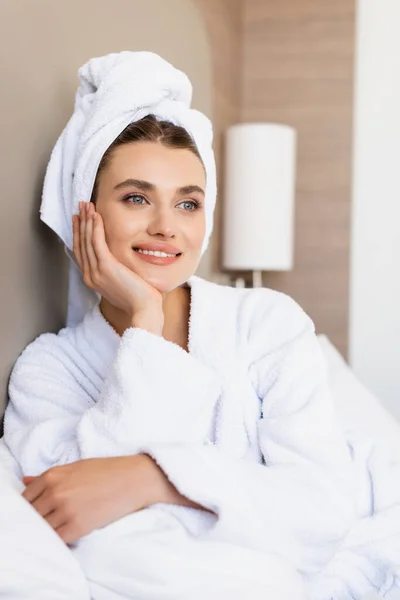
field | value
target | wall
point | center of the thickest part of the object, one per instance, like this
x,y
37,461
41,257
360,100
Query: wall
x,y
375,257
223,21
298,69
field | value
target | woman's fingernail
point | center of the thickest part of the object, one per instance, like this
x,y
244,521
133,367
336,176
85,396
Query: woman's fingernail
x,y
94,216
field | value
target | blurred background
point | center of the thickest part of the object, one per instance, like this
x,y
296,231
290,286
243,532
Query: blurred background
x,y
329,70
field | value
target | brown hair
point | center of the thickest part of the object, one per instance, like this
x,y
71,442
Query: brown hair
x,y
148,129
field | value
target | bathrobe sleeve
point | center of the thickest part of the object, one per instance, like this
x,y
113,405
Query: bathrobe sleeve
x,y
153,392
300,503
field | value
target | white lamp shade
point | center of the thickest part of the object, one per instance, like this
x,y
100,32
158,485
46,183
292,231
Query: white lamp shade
x,y
258,220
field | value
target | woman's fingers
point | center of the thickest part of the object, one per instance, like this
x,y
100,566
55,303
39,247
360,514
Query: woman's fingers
x,y
82,241
44,504
82,226
99,238
55,519
67,533
34,489
76,242
89,245
28,479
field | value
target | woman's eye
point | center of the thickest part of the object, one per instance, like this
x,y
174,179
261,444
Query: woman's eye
x,y
134,199
189,205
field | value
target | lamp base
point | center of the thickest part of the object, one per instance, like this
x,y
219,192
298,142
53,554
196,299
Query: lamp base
x,y
240,282
257,279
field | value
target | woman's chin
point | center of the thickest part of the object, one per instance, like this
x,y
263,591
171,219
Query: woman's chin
x,y
164,279
166,283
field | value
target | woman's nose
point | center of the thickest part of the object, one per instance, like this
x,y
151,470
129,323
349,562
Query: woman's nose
x,y
162,224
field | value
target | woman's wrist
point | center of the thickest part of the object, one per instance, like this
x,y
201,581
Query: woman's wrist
x,y
161,491
152,322
155,482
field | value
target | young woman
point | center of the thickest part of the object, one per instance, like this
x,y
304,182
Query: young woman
x,y
181,438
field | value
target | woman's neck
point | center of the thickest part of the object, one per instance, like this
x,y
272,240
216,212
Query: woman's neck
x,y
176,309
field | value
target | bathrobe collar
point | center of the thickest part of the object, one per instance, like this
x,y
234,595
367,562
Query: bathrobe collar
x,y
203,299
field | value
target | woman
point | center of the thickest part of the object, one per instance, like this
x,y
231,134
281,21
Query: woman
x,y
187,424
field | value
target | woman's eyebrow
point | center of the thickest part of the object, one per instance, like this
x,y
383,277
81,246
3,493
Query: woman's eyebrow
x,y
189,189
146,186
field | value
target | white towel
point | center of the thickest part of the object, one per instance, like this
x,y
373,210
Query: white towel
x,y
114,91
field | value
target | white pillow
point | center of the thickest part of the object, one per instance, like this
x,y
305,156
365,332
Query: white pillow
x,y
34,563
357,407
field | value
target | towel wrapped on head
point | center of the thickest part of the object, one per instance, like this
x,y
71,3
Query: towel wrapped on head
x,y
114,91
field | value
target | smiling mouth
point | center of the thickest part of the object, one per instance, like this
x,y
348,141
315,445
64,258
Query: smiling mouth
x,y
156,253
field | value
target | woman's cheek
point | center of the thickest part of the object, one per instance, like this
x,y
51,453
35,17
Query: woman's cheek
x,y
195,233
119,233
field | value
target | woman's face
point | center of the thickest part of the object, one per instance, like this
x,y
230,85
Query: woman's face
x,y
151,198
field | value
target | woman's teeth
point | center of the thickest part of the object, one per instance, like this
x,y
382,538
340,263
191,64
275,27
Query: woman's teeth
x,y
154,253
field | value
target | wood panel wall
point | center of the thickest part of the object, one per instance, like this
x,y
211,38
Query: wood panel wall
x,y
224,23
298,62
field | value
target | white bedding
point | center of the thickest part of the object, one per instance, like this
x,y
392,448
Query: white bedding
x,y
358,408
34,563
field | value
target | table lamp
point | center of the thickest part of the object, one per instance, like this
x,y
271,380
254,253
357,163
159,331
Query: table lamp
x,y
258,212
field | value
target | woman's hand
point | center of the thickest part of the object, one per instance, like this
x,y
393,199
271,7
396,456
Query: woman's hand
x,y
77,498
82,496
106,275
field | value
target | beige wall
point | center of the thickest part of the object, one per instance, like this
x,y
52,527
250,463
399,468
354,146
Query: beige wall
x,y
298,60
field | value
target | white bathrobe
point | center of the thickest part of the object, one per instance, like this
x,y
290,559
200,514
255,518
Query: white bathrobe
x,y
242,424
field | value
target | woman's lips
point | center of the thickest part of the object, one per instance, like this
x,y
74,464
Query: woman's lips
x,y
157,260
